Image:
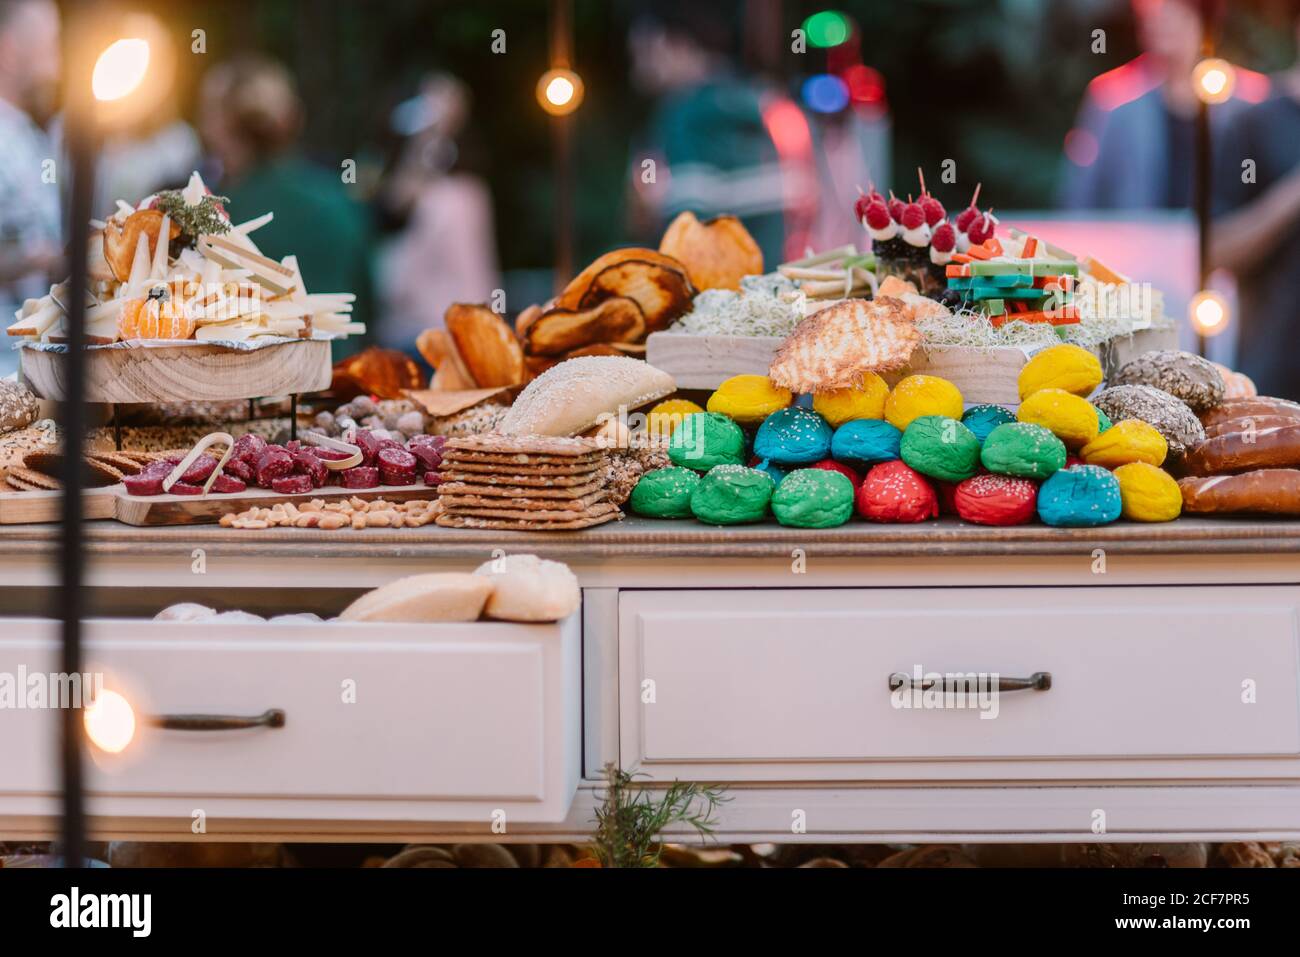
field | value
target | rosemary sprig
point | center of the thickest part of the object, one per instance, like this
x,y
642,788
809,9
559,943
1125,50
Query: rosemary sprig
x,y
194,219
629,821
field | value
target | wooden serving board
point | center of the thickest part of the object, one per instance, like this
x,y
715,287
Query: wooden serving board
x,y
982,375
29,508
206,509
198,373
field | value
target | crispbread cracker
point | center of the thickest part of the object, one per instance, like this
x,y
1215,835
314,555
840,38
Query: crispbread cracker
x,y
464,504
18,485
123,463
505,525
521,458
498,444
544,514
476,468
36,480
519,491
532,479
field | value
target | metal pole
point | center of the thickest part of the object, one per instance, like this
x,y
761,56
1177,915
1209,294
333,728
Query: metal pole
x,y
1201,185
561,49
82,148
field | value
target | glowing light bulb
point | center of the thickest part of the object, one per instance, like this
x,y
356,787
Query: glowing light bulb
x,y
559,91
1209,313
120,69
110,722
1214,80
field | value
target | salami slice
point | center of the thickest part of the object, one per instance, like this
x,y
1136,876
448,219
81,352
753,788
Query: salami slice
x,y
185,488
248,448
433,479
369,446
292,484
306,463
363,476
330,455
429,455
226,484
145,483
272,464
240,469
199,470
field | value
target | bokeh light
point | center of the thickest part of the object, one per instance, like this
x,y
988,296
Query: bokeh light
x,y
110,722
120,69
559,91
1214,80
1209,313
829,28
825,93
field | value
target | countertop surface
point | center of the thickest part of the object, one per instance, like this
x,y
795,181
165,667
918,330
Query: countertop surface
x,y
641,538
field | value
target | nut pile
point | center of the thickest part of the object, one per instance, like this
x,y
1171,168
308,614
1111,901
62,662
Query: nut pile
x,y
348,513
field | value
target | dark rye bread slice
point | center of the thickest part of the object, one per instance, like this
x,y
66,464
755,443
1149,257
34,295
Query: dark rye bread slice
x,y
520,491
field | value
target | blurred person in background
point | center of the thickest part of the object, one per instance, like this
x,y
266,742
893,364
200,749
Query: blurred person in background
x,y
160,152
1256,231
444,250
250,117
721,142
1133,144
30,225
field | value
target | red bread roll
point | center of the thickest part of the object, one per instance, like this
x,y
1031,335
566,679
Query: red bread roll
x,y
1245,422
1266,491
996,500
892,492
1256,405
1273,448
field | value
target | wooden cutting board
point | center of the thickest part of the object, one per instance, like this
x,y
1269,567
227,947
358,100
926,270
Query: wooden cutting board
x,y
25,508
208,509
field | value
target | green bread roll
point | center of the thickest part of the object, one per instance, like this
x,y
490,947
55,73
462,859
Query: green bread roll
x,y
813,498
732,495
941,448
1023,450
664,493
706,439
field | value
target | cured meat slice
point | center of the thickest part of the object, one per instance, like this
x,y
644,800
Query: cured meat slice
x,y
226,484
292,484
363,476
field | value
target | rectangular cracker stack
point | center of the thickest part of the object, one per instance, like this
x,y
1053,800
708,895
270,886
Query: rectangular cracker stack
x,y
524,483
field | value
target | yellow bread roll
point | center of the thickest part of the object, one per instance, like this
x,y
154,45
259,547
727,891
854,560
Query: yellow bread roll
x,y
919,395
1071,419
843,405
749,399
667,415
1148,494
1068,367
1130,440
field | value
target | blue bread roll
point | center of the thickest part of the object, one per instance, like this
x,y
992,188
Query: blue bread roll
x,y
866,442
983,419
793,436
1080,497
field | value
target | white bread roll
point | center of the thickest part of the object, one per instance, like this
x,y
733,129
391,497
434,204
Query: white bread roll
x,y
571,397
448,596
526,588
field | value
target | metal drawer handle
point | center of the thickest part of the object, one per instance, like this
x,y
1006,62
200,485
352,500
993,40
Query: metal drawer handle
x,y
271,718
1038,681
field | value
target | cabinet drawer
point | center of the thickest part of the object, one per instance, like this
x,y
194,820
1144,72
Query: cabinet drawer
x,y
446,722
795,684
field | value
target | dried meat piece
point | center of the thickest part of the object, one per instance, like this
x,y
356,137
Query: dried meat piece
x,y
429,456
292,484
433,479
185,488
306,463
363,476
368,443
240,469
272,464
248,448
145,483
226,484
199,470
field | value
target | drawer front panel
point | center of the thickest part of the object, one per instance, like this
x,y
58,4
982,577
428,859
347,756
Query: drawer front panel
x,y
462,718
784,677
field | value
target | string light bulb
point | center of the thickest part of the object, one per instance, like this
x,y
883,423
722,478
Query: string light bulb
x,y
1214,80
110,722
1209,313
559,91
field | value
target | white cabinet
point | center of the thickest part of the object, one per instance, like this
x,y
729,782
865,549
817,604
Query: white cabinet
x,y
383,722
794,685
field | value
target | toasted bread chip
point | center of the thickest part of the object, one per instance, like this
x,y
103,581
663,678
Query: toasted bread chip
x,y
573,294
560,331
716,253
449,372
524,321
663,292
833,347
487,346
122,237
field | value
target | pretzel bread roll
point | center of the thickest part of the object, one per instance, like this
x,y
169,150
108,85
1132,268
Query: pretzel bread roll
x,y
1275,448
1266,491
1256,405
1256,422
